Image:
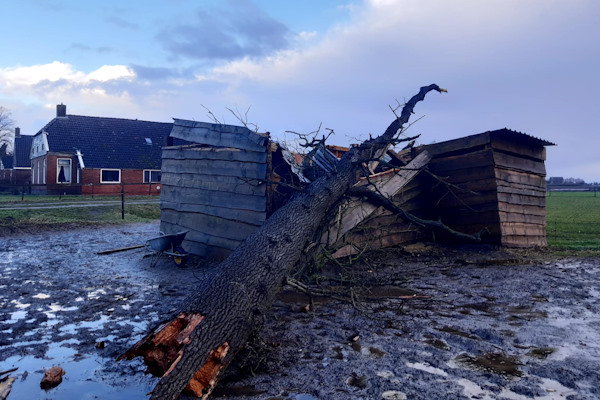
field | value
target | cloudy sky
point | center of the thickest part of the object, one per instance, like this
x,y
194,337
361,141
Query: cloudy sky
x,y
294,65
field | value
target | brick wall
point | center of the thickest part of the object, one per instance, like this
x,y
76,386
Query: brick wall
x,y
131,181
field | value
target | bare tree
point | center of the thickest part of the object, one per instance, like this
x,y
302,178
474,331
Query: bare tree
x,y
192,347
6,130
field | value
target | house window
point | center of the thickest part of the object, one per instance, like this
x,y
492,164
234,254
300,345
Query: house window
x,y
151,175
63,170
110,176
44,172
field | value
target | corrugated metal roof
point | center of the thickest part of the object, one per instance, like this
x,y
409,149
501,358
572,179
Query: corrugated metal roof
x,y
519,136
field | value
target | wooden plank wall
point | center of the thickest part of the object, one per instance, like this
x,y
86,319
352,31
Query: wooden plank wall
x,y
521,179
217,194
496,188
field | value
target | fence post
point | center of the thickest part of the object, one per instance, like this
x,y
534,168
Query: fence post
x,y
122,201
23,193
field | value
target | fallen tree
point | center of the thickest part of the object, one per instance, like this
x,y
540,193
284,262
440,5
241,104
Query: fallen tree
x,y
192,348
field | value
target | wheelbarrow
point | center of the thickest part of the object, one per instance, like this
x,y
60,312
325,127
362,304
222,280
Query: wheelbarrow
x,y
169,245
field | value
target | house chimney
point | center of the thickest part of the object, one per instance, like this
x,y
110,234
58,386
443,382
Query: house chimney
x,y
17,132
61,110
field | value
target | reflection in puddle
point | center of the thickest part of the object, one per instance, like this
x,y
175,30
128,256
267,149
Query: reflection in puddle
x,y
91,325
427,368
15,316
84,379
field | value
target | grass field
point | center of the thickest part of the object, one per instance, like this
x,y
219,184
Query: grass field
x,y
573,220
54,216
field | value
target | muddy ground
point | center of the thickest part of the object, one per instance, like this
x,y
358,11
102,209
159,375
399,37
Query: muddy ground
x,y
482,324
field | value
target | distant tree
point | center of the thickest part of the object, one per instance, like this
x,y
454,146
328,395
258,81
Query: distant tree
x,y
574,181
6,130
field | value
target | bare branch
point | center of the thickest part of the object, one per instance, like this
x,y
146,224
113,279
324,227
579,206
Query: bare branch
x,y
243,119
210,115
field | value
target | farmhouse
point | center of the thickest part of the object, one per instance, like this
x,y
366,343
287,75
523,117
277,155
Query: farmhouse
x,y
222,188
96,155
16,168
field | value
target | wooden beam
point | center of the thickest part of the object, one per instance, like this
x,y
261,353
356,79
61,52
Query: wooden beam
x,y
213,153
214,198
216,167
355,210
232,184
219,135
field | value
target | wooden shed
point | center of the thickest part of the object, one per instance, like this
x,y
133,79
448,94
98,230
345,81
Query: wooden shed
x,y
490,184
215,189
220,189
496,186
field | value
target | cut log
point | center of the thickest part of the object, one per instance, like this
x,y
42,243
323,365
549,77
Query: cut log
x,y
224,310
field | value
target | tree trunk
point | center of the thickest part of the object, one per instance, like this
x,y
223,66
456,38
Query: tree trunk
x,y
190,351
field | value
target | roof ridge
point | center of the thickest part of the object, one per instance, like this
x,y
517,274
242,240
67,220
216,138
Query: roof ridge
x,y
116,118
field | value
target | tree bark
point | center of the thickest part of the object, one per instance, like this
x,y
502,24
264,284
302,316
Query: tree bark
x,y
191,350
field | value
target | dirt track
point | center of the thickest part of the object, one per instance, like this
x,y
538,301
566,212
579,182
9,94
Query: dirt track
x,y
484,325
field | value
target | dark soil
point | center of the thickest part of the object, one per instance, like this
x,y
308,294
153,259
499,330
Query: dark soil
x,y
422,322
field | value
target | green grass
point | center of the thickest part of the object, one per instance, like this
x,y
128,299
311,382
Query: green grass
x,y
27,199
573,221
15,219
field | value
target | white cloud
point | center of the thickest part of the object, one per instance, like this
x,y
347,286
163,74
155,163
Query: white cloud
x,y
22,77
111,72
27,76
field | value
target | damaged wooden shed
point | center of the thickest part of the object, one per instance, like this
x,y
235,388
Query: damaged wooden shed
x,y
494,184
217,188
491,185
221,190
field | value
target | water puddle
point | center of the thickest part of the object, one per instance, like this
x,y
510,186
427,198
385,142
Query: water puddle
x,y
84,378
15,316
525,312
498,363
458,332
482,307
435,342
427,368
541,352
358,381
91,325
